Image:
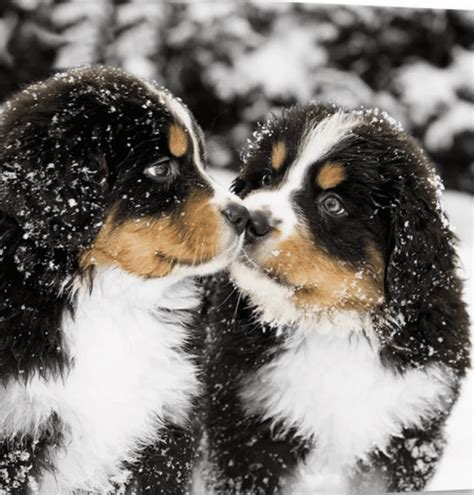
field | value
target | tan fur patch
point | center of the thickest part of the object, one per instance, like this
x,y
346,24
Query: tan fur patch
x,y
151,247
330,175
278,155
321,281
178,141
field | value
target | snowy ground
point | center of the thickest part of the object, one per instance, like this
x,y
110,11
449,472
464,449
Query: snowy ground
x,y
455,470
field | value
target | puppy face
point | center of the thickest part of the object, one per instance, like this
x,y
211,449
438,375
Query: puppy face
x,y
320,184
119,176
166,215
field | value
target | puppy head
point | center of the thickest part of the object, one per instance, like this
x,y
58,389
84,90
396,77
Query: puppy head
x,y
336,199
101,168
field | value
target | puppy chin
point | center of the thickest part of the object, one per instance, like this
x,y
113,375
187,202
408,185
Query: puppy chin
x,y
228,255
272,300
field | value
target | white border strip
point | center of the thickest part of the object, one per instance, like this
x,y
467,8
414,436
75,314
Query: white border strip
x,y
417,4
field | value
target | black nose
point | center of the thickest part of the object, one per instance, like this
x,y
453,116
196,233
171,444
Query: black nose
x,y
237,215
258,226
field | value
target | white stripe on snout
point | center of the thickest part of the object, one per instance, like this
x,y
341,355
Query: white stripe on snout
x,y
182,114
317,143
277,206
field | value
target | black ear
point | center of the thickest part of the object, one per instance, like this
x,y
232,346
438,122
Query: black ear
x,y
426,317
10,235
56,191
58,197
52,200
53,192
421,258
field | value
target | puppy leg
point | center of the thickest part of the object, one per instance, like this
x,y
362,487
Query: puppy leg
x,y
249,457
24,460
410,461
17,461
166,466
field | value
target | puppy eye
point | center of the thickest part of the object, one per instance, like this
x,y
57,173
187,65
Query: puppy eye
x,y
333,205
160,171
266,179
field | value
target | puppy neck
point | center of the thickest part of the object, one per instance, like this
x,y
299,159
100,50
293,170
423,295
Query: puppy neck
x,y
274,307
110,283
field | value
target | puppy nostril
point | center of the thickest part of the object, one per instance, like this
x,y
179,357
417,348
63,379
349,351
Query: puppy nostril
x,y
258,225
237,215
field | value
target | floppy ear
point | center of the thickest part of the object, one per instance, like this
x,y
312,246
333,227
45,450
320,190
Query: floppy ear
x,y
52,199
56,192
426,317
421,256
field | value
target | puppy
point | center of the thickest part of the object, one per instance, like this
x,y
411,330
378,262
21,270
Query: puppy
x,y
337,355
106,210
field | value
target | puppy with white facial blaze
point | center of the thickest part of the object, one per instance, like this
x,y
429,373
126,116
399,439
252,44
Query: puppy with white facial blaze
x,y
105,212
340,339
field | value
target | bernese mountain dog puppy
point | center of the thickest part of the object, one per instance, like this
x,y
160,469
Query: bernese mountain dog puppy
x,y
105,213
337,348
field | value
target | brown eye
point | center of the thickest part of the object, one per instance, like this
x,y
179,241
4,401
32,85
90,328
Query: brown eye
x,y
333,205
266,179
160,171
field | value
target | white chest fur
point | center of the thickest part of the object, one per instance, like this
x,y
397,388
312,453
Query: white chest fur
x,y
331,386
129,374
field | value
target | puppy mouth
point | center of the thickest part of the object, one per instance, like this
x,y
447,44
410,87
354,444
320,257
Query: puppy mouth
x,y
231,252
244,258
234,249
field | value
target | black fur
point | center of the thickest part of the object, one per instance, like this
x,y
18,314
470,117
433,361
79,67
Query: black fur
x,y
166,466
409,460
70,148
23,459
390,193
248,456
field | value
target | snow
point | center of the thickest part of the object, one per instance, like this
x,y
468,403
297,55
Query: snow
x,y
431,93
458,119
67,13
80,36
423,100
141,18
270,69
455,469
463,70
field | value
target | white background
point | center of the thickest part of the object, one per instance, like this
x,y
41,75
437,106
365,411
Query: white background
x,y
431,4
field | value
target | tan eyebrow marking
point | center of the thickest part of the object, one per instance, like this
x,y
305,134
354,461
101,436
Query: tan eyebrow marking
x,y
278,154
177,140
330,175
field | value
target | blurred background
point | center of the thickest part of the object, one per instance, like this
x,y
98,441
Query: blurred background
x,y
233,63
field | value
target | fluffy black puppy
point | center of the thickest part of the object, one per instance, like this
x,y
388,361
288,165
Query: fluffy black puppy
x,y
336,354
105,210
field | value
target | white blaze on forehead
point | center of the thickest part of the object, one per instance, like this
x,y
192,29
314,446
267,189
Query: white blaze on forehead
x,y
317,143
277,205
